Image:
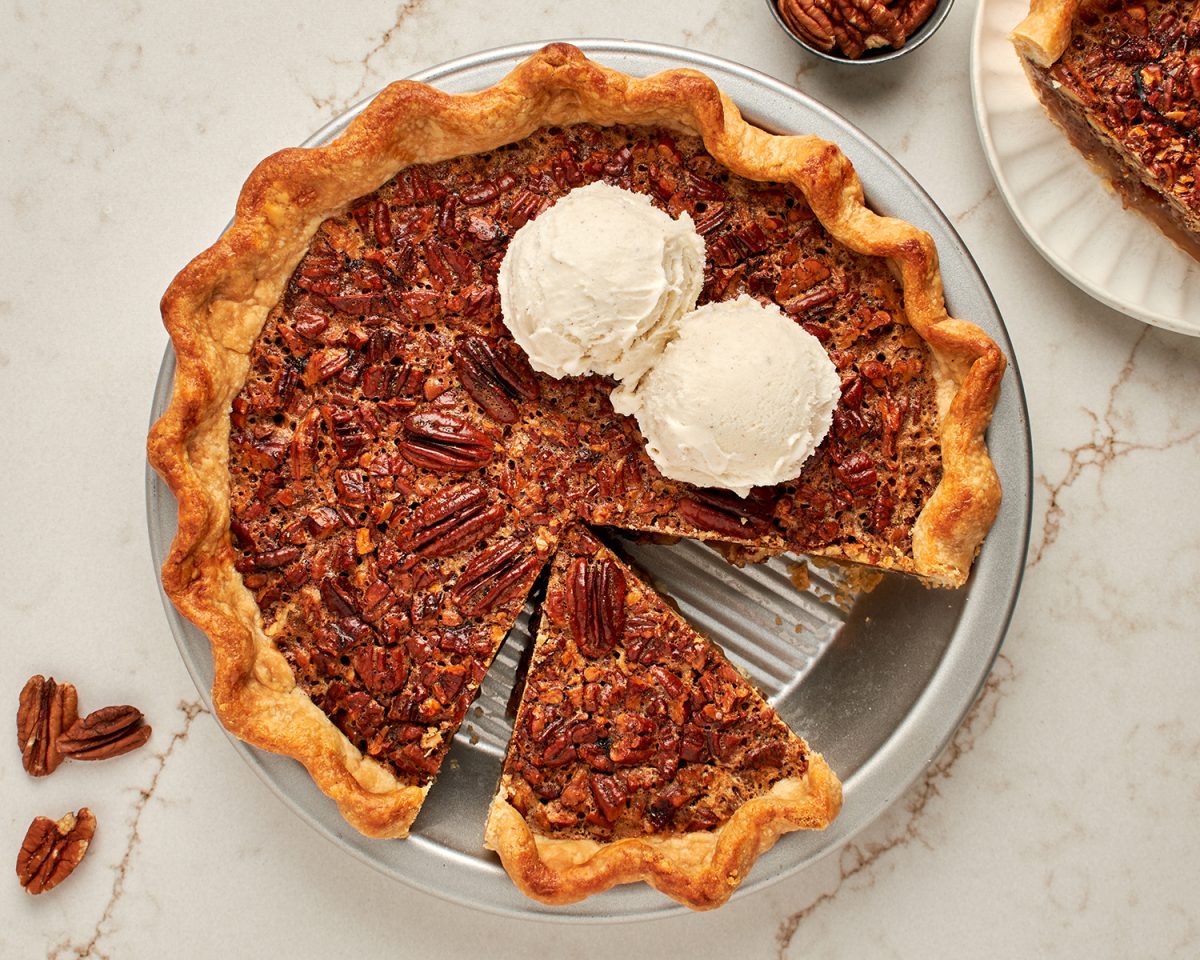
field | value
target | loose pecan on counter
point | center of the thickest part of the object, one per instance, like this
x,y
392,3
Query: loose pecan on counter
x,y
51,851
46,709
104,733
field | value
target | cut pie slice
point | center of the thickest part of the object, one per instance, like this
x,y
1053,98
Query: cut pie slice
x,y
639,753
1123,82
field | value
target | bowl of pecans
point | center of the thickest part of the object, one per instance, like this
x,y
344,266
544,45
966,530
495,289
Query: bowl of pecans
x,y
860,31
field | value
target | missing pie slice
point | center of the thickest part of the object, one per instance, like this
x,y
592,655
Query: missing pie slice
x,y
639,753
370,476
1123,82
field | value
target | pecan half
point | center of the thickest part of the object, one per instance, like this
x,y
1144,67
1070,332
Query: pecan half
x,y
104,733
267,560
493,576
808,21
609,795
454,519
914,14
51,851
596,605
857,471
46,709
855,26
384,381
525,206
728,514
442,441
324,365
885,25
496,375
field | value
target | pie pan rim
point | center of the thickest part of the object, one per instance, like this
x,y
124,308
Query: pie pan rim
x,y
708,63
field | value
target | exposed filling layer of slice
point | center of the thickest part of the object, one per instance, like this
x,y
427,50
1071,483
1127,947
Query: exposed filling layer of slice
x,y
1127,92
632,724
399,473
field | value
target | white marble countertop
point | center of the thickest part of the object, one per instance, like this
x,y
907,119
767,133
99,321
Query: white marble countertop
x,y
1062,819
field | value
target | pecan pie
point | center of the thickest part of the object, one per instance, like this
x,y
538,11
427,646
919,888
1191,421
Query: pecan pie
x,y
1122,79
639,752
370,476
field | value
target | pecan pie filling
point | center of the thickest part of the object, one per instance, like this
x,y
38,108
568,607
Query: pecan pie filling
x,y
400,475
1127,91
631,723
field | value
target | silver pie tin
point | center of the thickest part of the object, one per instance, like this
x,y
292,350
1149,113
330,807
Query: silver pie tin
x,y
878,683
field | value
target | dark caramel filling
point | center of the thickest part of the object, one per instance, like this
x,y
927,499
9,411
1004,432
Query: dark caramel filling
x,y
647,730
400,475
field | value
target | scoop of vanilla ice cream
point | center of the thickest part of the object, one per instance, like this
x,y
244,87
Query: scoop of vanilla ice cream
x,y
740,398
597,282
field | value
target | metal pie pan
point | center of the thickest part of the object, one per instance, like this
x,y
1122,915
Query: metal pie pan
x,y
877,682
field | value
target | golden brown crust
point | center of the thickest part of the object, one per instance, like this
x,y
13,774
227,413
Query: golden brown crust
x,y
556,857
217,305
700,869
1044,34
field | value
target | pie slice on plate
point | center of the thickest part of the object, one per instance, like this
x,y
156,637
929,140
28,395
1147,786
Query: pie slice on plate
x,y
639,752
370,476
1123,82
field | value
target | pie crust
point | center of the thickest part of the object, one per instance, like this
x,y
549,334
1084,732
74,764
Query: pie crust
x,y
216,307
1044,34
699,868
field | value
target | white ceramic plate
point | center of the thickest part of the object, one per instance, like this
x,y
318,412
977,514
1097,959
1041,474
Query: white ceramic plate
x,y
1069,214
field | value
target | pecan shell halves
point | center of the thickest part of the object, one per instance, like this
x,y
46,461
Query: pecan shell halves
x,y
46,709
596,605
444,442
104,733
51,851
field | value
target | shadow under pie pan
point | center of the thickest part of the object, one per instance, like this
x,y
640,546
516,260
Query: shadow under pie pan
x,y
876,681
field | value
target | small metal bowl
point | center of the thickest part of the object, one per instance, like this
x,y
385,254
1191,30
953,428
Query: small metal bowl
x,y
881,55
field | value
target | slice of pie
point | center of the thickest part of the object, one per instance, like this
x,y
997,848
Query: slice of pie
x,y
1123,81
640,753
370,476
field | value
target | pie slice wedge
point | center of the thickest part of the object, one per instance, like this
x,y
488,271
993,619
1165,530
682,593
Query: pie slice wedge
x,y
1122,81
639,753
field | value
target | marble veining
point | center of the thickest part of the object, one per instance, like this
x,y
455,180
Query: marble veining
x,y
961,218
1060,820
105,925
860,856
371,78
1110,440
